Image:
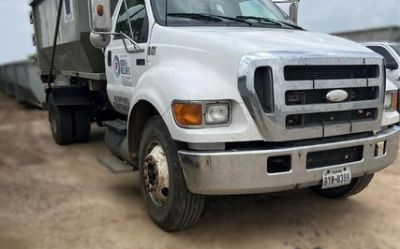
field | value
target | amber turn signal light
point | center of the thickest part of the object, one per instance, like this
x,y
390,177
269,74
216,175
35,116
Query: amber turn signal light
x,y
188,114
100,10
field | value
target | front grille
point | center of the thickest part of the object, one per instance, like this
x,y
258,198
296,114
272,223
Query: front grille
x,y
295,99
301,120
299,73
318,96
327,158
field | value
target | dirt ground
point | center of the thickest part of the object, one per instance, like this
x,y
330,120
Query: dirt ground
x,y
55,197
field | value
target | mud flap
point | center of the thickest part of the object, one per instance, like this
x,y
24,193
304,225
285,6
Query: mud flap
x,y
73,95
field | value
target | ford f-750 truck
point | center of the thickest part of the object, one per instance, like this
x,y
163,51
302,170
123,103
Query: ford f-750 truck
x,y
214,97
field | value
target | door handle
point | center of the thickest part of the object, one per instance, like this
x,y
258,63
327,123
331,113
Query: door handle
x,y
109,59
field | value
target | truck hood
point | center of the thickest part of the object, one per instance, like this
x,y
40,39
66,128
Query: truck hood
x,y
241,41
210,57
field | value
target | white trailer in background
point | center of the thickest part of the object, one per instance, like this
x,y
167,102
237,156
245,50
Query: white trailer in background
x,y
22,80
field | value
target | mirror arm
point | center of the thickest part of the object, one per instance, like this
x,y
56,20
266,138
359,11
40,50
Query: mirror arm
x,y
294,8
138,48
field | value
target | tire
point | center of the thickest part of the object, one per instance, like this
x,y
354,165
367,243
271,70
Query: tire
x,y
61,123
356,186
82,124
174,208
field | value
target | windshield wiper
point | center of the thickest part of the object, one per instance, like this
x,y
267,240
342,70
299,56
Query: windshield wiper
x,y
269,20
261,20
234,19
241,19
292,25
209,17
196,16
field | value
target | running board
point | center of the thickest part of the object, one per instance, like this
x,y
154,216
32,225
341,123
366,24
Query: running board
x,y
114,164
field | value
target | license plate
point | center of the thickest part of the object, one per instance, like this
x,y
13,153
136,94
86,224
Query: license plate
x,y
333,178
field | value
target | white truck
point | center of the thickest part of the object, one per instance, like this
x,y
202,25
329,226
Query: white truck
x,y
214,97
391,52
391,115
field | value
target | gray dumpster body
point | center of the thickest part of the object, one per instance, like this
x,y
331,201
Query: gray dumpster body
x,y
75,54
22,80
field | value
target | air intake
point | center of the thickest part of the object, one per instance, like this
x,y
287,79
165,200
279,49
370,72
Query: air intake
x,y
293,73
263,84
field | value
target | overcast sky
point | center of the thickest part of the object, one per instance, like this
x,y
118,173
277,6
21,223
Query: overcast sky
x,y
315,15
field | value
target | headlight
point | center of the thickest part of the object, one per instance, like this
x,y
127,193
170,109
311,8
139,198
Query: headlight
x,y
391,101
199,114
217,114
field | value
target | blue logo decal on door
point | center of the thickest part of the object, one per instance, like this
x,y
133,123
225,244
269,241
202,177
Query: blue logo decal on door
x,y
117,66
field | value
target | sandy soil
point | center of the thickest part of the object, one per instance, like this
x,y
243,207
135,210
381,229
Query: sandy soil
x,y
60,197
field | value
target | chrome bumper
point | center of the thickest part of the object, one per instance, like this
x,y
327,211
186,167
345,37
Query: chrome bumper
x,y
245,172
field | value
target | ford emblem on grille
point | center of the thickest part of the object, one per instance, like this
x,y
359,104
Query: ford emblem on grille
x,y
336,96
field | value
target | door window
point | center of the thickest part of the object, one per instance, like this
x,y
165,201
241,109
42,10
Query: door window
x,y
136,19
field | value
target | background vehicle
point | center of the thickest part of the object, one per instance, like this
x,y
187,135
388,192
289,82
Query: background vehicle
x,y
214,98
391,114
391,53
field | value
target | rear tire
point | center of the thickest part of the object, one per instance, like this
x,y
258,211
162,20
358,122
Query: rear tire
x,y
82,124
173,208
61,123
356,186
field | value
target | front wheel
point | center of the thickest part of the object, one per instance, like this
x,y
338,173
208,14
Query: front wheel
x,y
169,203
356,186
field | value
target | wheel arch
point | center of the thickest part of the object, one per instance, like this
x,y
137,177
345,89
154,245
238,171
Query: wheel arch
x,y
140,113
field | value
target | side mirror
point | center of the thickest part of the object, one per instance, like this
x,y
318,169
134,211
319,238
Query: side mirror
x,y
294,11
100,13
392,65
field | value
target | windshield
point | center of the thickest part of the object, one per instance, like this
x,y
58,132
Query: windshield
x,y
396,48
219,13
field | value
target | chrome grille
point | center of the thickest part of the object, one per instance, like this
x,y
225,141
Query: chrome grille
x,y
331,72
313,119
301,109
318,96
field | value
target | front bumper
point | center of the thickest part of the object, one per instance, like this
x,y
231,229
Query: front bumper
x,y
245,172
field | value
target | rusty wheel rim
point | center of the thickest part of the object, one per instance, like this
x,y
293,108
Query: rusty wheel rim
x,y
156,176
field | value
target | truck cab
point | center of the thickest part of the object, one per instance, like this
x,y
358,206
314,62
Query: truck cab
x,y
219,98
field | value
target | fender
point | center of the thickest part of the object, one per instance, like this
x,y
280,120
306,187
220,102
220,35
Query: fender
x,y
162,84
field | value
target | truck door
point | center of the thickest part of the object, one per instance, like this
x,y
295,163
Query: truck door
x,y
124,63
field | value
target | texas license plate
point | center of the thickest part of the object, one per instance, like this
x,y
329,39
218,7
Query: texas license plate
x,y
333,178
